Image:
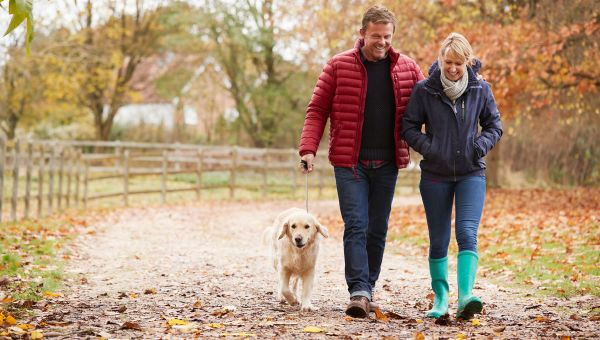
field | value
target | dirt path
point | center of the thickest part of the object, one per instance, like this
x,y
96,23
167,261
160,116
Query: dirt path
x,y
204,264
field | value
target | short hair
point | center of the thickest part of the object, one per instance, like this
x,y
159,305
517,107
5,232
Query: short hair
x,y
457,44
378,15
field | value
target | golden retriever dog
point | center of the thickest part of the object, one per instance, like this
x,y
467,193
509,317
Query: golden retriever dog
x,y
295,237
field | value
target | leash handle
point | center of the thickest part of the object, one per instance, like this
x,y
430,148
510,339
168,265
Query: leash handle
x,y
305,167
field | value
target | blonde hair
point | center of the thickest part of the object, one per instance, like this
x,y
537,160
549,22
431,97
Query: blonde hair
x,y
457,44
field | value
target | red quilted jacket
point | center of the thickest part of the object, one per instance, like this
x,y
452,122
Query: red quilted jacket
x,y
340,95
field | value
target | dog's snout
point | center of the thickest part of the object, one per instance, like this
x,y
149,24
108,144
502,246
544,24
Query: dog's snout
x,y
298,239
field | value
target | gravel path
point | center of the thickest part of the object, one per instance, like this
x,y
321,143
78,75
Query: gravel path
x,y
202,265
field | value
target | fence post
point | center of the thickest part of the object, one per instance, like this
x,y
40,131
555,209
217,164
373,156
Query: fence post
x,y
264,170
69,163
232,179
28,178
199,170
51,172
77,177
126,177
85,184
40,198
61,170
15,188
2,167
163,178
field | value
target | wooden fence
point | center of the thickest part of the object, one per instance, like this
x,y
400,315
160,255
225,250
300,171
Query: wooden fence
x,y
40,178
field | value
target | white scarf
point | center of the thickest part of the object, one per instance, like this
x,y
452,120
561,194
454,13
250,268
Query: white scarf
x,y
454,89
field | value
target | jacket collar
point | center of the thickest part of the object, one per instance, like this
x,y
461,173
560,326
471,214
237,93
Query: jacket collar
x,y
360,42
434,82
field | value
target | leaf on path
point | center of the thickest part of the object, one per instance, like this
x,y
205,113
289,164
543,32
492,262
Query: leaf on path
x,y
499,329
380,316
197,304
393,315
150,291
174,322
542,319
240,334
36,335
565,337
216,325
26,326
9,319
419,336
313,329
7,300
348,318
444,320
475,322
460,336
51,295
430,296
419,320
131,325
133,295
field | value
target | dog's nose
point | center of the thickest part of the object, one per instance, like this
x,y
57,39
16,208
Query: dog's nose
x,y
298,239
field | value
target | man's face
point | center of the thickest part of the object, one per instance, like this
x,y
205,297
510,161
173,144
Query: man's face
x,y
378,40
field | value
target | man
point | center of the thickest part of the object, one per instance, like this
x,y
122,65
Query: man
x,y
364,91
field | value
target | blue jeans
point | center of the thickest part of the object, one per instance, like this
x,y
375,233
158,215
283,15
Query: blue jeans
x,y
365,198
438,198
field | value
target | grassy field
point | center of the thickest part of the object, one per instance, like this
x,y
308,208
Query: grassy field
x,y
547,240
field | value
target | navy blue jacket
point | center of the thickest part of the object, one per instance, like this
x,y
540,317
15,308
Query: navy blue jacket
x,y
451,146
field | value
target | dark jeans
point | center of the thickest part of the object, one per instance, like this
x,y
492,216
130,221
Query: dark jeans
x,y
437,200
365,198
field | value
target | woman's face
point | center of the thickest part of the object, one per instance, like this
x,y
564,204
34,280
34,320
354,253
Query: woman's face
x,y
454,66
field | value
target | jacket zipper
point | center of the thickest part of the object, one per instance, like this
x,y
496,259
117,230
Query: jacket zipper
x,y
463,110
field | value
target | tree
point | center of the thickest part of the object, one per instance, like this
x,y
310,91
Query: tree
x,y
111,54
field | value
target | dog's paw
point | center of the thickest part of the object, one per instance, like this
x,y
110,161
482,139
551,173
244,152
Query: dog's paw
x,y
307,307
293,302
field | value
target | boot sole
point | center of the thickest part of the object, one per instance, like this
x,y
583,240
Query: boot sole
x,y
356,312
472,308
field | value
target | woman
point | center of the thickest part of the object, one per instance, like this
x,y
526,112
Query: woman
x,y
451,102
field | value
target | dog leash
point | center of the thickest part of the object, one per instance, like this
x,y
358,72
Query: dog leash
x,y
305,167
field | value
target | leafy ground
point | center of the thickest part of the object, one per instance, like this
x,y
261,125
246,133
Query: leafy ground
x,y
199,270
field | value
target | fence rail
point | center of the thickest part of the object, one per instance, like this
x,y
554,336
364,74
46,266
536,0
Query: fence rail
x,y
47,176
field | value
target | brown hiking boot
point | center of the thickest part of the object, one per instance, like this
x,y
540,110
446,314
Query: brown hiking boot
x,y
358,307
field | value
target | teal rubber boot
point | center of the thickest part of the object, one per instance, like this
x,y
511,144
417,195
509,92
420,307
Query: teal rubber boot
x,y
468,305
438,269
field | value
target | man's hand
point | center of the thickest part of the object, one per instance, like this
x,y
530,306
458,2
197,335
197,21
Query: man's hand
x,y
308,158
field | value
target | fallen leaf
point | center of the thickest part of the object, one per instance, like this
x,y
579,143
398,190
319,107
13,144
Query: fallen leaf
x,y
7,300
499,329
36,335
460,336
541,319
419,320
348,318
393,315
197,304
51,295
10,320
313,329
174,322
444,320
419,336
26,326
565,337
475,322
131,325
133,295
240,334
150,291
216,325
574,317
380,316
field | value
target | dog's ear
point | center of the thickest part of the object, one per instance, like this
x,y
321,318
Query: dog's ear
x,y
284,228
322,230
